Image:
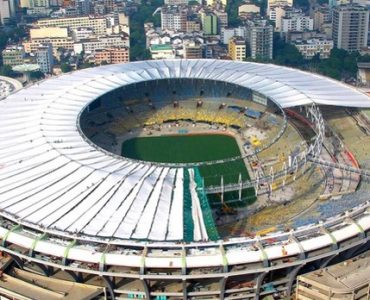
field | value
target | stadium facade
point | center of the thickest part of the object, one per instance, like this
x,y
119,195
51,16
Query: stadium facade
x,y
68,205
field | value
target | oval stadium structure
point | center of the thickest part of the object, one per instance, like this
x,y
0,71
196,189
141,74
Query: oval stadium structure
x,y
73,207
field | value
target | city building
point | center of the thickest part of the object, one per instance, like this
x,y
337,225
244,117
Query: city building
x,y
192,50
193,25
276,14
44,58
13,55
48,32
260,39
350,27
363,73
34,3
173,17
176,2
248,10
7,11
66,43
321,16
83,7
124,23
227,33
82,33
237,48
346,280
209,23
295,20
99,25
113,55
109,6
275,3
304,35
309,48
214,2
222,19
101,42
162,51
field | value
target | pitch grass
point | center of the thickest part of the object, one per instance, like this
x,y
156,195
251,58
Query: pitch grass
x,y
195,148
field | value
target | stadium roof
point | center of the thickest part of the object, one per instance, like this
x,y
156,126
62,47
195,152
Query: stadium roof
x,y
52,178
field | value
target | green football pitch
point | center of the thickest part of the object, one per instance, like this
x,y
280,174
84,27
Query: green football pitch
x,y
193,148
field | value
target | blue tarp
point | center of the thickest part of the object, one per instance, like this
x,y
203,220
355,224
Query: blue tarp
x,y
253,113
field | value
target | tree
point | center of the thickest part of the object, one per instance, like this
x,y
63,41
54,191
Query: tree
x,y
37,75
137,37
65,68
7,70
86,65
288,55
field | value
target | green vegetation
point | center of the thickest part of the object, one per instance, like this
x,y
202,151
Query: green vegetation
x,y
13,35
232,11
188,223
65,68
143,15
206,208
340,65
6,70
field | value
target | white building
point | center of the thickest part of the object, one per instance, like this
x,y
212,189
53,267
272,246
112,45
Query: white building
x,y
295,20
274,3
309,48
176,2
82,33
162,52
102,42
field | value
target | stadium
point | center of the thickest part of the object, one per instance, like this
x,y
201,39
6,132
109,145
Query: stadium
x,y
182,179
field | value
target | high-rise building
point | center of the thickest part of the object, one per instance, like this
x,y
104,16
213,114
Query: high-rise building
x,y
222,19
350,27
13,55
209,23
83,7
44,58
237,48
321,16
174,17
7,10
260,39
